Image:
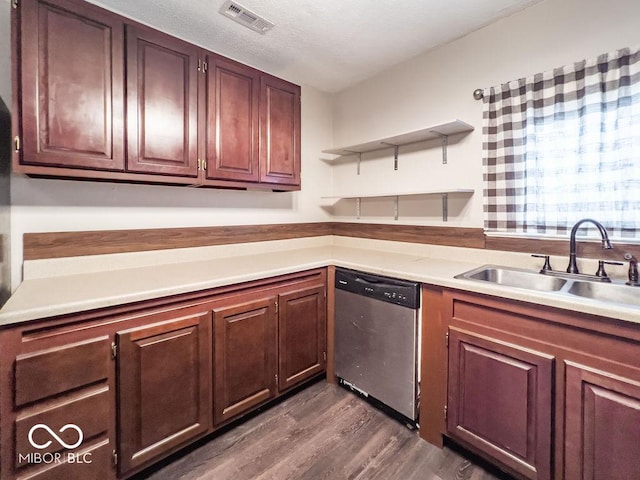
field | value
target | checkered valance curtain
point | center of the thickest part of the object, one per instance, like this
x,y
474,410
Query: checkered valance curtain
x,y
564,145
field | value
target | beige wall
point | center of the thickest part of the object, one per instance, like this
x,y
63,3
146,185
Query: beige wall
x,y
437,87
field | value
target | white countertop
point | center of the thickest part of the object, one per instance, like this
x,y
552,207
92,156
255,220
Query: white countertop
x,y
59,287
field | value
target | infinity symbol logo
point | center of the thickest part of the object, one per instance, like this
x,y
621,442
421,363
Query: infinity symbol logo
x,y
53,434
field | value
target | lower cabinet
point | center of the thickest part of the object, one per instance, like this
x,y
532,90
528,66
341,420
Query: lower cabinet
x,y
266,346
56,396
541,392
245,357
602,415
137,383
301,335
164,385
500,401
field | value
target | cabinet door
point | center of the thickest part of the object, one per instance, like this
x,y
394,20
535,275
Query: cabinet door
x,y
279,132
602,415
245,357
500,401
162,103
71,71
164,386
301,335
232,121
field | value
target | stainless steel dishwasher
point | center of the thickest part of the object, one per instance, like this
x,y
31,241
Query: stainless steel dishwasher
x,y
376,338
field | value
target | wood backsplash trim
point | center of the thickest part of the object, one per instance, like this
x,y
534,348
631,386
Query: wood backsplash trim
x,y
585,249
71,244
452,236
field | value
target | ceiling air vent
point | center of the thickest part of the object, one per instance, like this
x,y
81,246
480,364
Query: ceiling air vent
x,y
245,17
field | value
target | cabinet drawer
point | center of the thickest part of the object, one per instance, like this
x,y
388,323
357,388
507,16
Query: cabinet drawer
x,y
49,372
92,463
89,412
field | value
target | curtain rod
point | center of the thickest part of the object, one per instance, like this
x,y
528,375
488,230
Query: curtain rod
x,y
478,94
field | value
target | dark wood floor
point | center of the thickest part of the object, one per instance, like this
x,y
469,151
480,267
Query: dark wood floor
x,y
322,432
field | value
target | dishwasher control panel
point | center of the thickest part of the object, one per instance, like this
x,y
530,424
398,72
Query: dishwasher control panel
x,y
386,289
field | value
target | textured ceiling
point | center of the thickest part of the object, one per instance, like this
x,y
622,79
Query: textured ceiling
x,y
328,44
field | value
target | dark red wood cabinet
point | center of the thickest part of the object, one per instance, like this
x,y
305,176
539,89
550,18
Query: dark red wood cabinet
x,y
602,415
164,384
143,381
301,335
162,104
279,131
268,345
103,97
71,86
245,356
233,121
500,401
52,378
543,393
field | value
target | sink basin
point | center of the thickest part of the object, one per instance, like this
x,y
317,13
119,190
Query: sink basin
x,y
606,292
512,277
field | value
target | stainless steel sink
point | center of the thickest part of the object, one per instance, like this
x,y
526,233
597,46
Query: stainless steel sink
x,y
606,292
566,285
513,277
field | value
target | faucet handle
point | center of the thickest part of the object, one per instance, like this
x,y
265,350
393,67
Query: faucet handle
x,y
633,270
547,264
601,272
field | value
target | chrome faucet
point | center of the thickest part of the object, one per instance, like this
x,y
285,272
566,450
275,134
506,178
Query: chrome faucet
x,y
573,267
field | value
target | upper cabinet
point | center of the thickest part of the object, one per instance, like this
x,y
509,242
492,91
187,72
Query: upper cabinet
x,y
71,86
232,125
103,97
279,131
162,104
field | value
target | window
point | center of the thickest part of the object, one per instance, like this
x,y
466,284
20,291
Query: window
x,y
565,145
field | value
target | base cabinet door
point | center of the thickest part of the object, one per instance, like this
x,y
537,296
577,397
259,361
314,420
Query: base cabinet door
x,y
164,386
301,335
245,339
500,401
602,414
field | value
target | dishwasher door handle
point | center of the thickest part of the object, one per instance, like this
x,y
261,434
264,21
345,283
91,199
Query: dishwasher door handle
x,y
372,281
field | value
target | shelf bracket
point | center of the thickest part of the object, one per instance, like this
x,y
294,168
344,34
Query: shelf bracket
x,y
396,149
351,152
445,207
395,207
445,144
358,206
